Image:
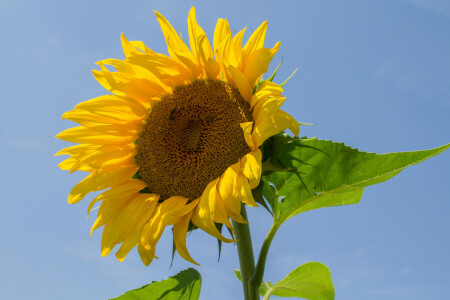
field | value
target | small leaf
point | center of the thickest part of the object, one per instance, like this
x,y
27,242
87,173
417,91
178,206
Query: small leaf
x,y
238,274
310,281
330,174
183,286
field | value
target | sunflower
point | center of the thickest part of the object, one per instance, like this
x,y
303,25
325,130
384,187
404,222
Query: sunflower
x,y
178,140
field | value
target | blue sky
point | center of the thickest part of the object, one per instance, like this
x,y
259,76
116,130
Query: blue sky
x,y
373,74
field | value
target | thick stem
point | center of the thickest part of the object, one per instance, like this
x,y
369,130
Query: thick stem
x,y
245,252
257,277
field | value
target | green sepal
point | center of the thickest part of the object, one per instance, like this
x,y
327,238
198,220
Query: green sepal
x,y
272,77
255,89
191,227
289,78
174,249
269,79
219,227
136,176
258,196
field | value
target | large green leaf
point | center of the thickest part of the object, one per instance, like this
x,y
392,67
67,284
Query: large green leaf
x,y
183,286
324,173
310,281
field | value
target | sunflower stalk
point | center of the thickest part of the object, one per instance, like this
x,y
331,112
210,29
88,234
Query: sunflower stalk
x,y
245,253
258,274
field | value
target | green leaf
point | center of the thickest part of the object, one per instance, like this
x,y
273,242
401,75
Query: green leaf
x,y
310,281
324,173
183,286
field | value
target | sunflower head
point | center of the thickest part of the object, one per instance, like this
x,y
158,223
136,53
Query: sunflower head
x,y
178,139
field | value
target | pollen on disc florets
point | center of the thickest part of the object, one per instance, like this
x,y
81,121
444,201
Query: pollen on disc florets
x,y
191,137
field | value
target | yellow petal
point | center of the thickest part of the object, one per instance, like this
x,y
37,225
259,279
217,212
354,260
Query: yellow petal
x,y
90,158
174,43
251,167
73,164
234,188
274,124
99,181
77,149
224,54
100,135
203,216
266,107
240,80
175,209
128,244
152,230
245,192
211,66
195,32
220,33
179,237
121,66
266,89
126,193
127,68
103,159
176,47
90,119
107,161
167,70
256,64
113,102
123,221
110,212
122,84
146,255
237,43
256,40
228,192
221,215
129,48
141,46
247,129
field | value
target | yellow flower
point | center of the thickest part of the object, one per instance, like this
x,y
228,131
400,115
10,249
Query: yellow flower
x,y
178,140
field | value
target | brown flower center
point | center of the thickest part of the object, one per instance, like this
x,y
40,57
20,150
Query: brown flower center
x,y
191,137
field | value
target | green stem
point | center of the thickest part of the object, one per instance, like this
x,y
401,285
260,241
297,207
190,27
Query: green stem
x,y
245,252
257,277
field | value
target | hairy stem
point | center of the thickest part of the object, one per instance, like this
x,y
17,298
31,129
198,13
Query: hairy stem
x,y
245,252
